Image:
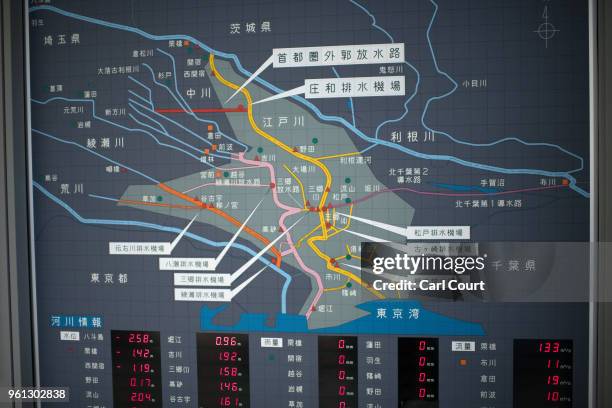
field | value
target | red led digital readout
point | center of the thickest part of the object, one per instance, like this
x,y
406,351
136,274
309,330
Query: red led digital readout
x,y
543,373
418,371
552,367
549,347
226,341
136,369
138,352
337,372
223,370
228,371
342,373
140,338
422,374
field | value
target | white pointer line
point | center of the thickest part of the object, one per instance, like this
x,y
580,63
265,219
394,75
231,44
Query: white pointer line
x,y
295,91
352,266
391,228
219,258
246,283
365,236
254,259
179,236
255,74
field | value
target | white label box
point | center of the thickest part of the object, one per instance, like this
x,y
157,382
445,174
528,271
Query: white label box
x,y
442,233
70,336
202,279
139,248
271,342
187,264
202,295
355,87
360,54
463,346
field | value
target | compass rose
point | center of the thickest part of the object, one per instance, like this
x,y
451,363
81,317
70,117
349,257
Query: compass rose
x,y
546,30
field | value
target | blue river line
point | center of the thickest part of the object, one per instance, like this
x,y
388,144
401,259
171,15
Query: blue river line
x,y
95,221
340,120
61,98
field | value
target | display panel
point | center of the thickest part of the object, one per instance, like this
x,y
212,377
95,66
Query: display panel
x,y
302,202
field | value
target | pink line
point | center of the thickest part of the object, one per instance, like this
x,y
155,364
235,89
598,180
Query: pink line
x,y
223,185
272,180
288,212
225,169
240,168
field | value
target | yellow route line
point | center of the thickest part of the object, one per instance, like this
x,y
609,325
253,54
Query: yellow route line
x,y
299,182
273,140
341,271
328,177
299,242
337,287
348,252
348,224
335,156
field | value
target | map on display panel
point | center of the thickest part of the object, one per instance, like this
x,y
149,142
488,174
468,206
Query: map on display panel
x,y
205,175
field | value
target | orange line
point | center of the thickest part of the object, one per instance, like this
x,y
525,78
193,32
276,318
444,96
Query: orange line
x,y
222,214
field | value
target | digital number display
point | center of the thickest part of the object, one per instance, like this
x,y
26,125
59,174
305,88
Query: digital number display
x,y
136,369
338,372
223,370
543,373
417,372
